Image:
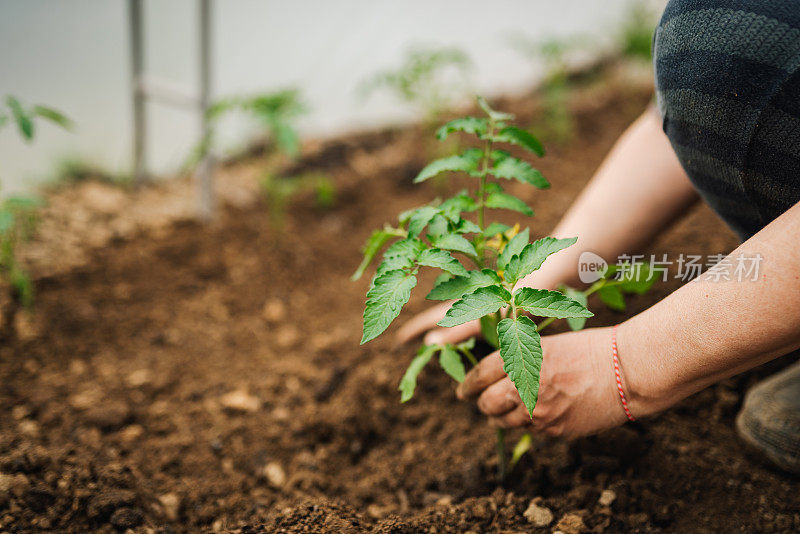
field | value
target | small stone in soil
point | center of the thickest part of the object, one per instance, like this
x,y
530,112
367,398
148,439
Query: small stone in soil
x,y
539,516
240,401
607,497
275,474
108,415
172,505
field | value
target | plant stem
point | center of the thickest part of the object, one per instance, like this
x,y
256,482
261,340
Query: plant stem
x,y
471,357
501,454
544,324
487,150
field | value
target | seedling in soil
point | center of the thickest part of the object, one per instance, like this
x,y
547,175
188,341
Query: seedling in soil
x,y
421,80
18,214
277,113
498,256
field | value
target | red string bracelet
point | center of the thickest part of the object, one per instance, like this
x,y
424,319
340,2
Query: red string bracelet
x,y
618,375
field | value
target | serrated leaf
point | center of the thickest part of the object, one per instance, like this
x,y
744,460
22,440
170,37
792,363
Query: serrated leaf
x,y
509,167
459,286
470,125
387,297
450,360
393,263
53,116
454,206
441,259
576,323
419,219
493,114
481,302
465,162
544,303
438,225
521,350
409,381
489,329
513,248
532,257
453,242
495,228
612,297
409,248
510,202
520,137
466,227
21,117
374,244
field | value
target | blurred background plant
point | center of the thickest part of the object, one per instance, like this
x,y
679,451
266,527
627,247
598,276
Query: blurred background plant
x,y
555,124
429,79
636,32
18,214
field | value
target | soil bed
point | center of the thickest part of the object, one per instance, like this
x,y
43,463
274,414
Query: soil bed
x,y
210,378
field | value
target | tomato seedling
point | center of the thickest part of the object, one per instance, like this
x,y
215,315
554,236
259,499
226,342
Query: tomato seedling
x,y
499,257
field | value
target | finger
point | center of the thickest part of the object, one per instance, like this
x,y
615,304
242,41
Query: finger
x,y
422,322
513,419
455,334
486,373
499,398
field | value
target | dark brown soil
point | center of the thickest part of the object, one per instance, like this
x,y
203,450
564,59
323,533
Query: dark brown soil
x,y
211,379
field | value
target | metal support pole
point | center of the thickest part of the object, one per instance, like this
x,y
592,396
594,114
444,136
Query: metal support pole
x,y
205,171
137,69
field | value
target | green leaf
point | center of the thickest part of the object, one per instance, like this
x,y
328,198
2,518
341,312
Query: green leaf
x,y
454,206
466,227
521,350
470,125
513,248
374,244
387,297
532,257
509,167
409,381
576,323
434,257
510,202
637,278
459,286
409,248
494,115
489,329
53,116
612,297
496,228
420,219
450,360
466,162
520,137
453,242
22,118
438,225
483,301
393,263
544,303
523,445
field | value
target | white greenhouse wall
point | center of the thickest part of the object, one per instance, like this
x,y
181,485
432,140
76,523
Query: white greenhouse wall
x,y
73,55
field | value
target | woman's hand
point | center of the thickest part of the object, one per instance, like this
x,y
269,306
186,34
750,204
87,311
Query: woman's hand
x,y
577,388
424,324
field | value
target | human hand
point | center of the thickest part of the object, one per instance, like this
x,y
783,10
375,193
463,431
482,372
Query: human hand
x,y
577,388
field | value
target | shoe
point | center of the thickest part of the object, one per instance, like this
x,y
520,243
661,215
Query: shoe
x,y
769,421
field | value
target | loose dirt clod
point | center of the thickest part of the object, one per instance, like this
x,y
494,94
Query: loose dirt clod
x,y
607,497
172,505
275,474
240,401
539,516
571,523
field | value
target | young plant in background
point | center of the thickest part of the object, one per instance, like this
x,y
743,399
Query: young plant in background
x,y
422,80
557,123
499,257
636,34
18,214
277,113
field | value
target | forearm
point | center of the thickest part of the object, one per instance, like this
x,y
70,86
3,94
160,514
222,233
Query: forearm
x,y
712,329
638,190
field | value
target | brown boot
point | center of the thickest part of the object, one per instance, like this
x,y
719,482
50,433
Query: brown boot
x,y
770,419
